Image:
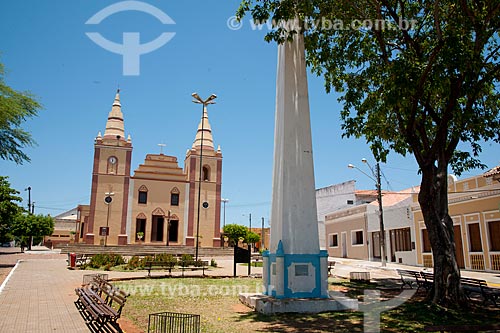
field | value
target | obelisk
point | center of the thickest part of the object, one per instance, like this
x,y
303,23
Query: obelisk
x,y
294,266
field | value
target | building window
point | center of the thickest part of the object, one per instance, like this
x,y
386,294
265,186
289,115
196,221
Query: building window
x,y
206,173
350,202
425,241
334,240
475,238
143,197
174,199
357,237
494,229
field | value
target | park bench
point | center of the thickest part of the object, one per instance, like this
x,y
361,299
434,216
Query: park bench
x,y
204,265
101,300
428,280
476,286
470,286
409,278
152,265
331,266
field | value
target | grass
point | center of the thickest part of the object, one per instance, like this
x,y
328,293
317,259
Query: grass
x,y
216,300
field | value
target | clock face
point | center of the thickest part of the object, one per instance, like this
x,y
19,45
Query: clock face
x,y
112,160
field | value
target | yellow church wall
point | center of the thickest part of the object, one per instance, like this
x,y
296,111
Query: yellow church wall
x,y
158,203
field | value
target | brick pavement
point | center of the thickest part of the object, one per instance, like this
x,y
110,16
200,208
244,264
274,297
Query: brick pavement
x,y
39,296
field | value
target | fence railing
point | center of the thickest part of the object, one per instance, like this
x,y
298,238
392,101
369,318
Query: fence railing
x,y
171,322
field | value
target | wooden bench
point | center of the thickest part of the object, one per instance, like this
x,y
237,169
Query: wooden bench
x,y
409,278
480,287
331,266
101,300
152,265
204,265
469,285
428,280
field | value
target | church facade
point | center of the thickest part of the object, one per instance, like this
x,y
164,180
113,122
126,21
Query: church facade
x,y
158,203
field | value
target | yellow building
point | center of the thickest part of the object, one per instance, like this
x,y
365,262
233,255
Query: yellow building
x,y
158,204
474,206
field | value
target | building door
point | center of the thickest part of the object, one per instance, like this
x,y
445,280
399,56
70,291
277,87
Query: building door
x,y
173,231
157,228
140,226
459,246
344,245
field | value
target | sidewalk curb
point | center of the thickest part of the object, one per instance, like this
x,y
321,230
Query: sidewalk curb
x,y
9,276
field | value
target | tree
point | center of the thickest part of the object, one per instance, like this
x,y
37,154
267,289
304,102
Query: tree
x,y
9,208
252,237
15,108
33,226
234,232
415,77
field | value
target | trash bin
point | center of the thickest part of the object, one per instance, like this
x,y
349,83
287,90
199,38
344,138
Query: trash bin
x,y
72,260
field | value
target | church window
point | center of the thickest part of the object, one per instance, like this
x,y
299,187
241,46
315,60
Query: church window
x,y
206,173
174,197
143,195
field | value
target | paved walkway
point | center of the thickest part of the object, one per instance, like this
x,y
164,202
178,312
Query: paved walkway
x,y
39,294
39,297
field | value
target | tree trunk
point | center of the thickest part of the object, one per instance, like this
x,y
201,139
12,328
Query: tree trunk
x,y
433,199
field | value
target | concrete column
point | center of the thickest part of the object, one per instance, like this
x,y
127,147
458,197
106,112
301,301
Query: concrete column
x,y
265,272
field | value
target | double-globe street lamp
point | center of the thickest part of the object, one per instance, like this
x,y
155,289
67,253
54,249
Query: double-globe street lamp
x,y
376,177
204,103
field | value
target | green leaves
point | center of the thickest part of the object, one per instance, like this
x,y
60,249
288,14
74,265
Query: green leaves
x,y
414,77
15,108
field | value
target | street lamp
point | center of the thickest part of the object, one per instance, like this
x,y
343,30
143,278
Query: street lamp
x,y
29,198
204,103
376,177
168,226
107,200
224,201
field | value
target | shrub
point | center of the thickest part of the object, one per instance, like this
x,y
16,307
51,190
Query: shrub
x,y
133,263
166,258
144,260
186,260
106,259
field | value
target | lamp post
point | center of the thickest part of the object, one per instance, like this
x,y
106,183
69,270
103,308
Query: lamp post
x,y
107,200
168,226
224,201
204,103
262,235
29,198
376,177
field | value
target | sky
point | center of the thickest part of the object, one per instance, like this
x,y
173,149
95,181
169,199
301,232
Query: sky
x,y
46,50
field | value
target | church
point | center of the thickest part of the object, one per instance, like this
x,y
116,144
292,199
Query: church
x,y
158,203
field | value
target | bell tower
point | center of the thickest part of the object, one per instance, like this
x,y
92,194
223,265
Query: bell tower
x,y
110,182
211,186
